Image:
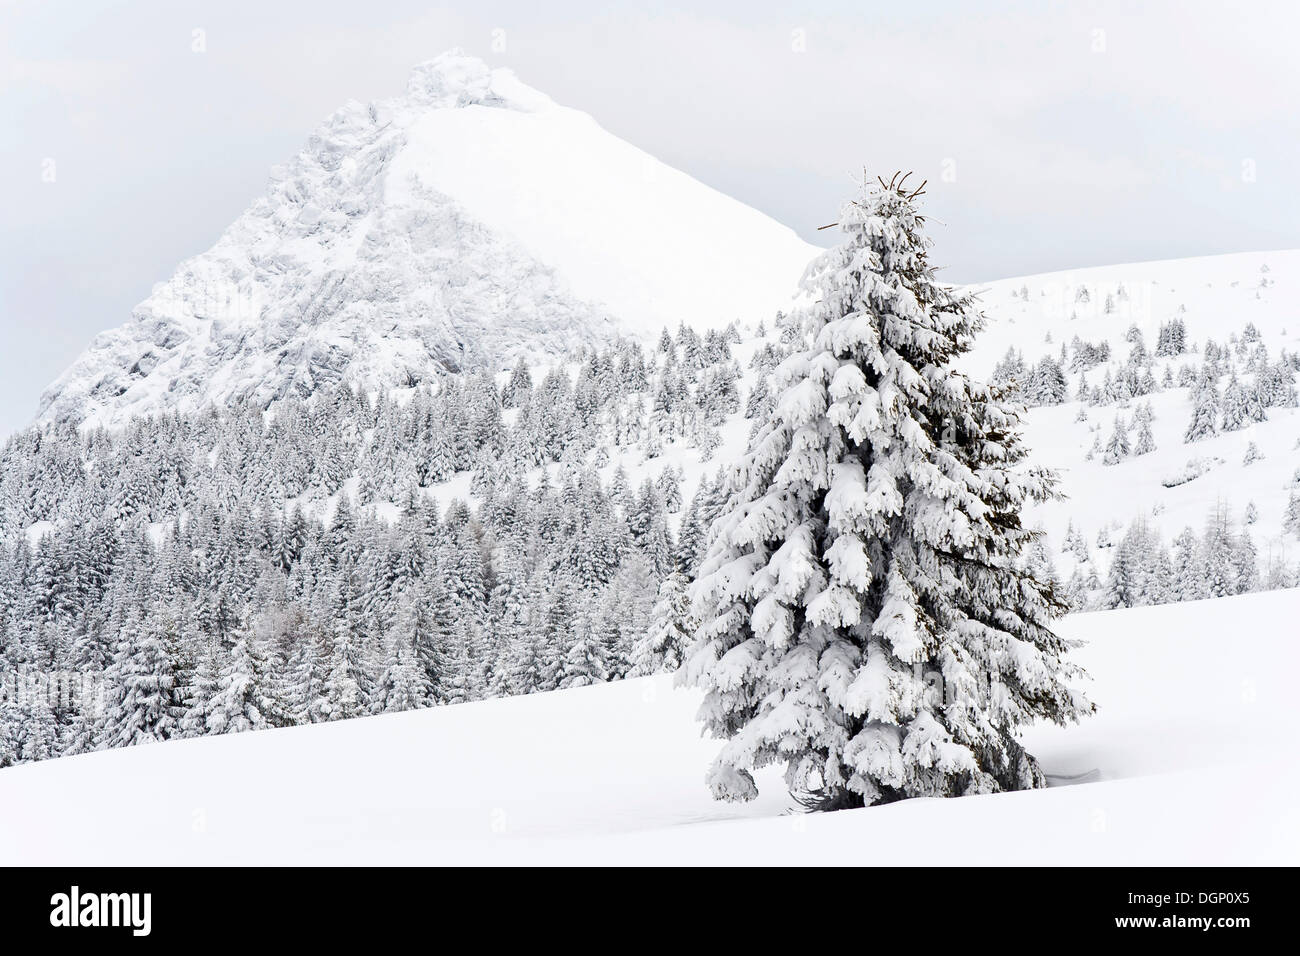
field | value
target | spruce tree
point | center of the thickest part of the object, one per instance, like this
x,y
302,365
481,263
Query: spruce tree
x,y
661,647
873,536
1126,582
519,388
403,684
39,731
1159,580
1245,564
1291,516
201,690
1190,583
143,703
304,687
241,700
1117,448
1205,409
1234,405
586,661
1217,553
1146,442
347,689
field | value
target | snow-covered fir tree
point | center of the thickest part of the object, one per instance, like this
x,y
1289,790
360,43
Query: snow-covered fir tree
x,y
1205,409
662,647
1291,516
143,700
1146,442
241,700
872,535
1117,446
1234,405
1047,385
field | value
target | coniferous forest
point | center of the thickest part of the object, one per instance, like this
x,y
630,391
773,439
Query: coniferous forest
x,y
241,568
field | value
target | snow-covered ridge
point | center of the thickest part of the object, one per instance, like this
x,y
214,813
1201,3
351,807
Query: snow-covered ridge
x,y
462,224
1215,295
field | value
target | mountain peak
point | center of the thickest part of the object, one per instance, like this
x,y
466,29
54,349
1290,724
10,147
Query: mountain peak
x,y
426,234
456,79
452,79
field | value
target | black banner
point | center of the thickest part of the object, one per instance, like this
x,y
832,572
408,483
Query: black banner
x,y
138,906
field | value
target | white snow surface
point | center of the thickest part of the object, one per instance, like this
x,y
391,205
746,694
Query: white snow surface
x,y
467,222
1193,744
648,242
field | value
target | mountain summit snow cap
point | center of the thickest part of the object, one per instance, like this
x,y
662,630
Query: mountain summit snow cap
x,y
452,79
456,79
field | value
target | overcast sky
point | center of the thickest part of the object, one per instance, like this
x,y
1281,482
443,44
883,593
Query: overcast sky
x,y
1055,134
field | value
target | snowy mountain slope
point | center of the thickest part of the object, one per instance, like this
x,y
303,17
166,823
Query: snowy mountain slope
x,y
463,223
1216,297
645,240
1190,741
